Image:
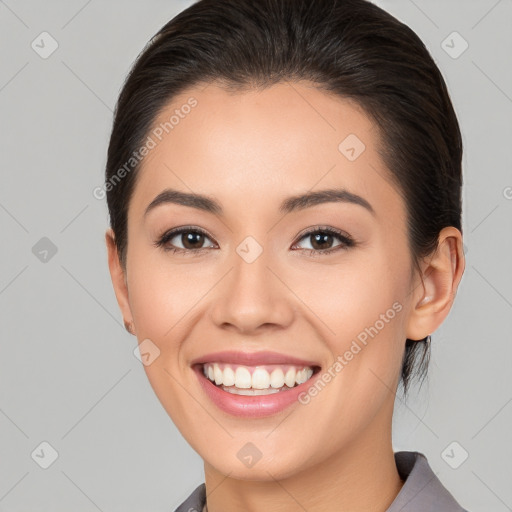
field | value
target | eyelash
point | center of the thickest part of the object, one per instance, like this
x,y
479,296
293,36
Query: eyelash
x,y
346,241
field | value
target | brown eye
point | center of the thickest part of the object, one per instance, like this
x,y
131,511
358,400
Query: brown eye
x,y
192,239
321,241
184,240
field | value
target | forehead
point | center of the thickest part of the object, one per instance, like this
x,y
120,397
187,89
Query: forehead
x,y
248,146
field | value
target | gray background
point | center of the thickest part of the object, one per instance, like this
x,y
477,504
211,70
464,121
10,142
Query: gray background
x,y
68,375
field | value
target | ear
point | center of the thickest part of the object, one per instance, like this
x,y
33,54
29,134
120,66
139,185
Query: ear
x,y
441,274
118,276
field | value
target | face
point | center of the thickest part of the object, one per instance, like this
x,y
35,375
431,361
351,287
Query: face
x,y
323,283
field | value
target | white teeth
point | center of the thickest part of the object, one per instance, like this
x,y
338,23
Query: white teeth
x,y
301,376
217,373
277,378
242,378
249,392
260,381
289,378
228,378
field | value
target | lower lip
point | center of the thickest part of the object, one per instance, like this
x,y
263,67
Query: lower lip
x,y
256,406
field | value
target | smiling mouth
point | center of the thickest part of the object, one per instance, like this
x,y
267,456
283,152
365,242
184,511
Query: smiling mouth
x,y
257,380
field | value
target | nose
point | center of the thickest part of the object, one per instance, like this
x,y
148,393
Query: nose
x,y
252,298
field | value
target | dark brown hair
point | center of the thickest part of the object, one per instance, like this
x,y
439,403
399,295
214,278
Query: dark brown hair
x,y
351,48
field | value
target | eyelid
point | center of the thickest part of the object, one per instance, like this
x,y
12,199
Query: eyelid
x,y
323,229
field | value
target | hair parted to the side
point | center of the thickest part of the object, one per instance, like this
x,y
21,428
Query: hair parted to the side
x,y
350,48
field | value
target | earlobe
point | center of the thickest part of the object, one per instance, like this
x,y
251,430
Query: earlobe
x,y
441,276
129,327
119,282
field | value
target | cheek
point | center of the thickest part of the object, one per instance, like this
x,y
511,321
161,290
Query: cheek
x,y
163,295
162,299
359,309
348,297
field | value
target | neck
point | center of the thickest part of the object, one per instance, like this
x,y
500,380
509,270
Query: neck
x,y
357,478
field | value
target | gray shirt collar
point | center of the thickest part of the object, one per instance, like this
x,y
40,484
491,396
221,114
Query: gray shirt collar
x,y
421,492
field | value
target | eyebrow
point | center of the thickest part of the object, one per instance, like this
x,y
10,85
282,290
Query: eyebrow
x,y
291,204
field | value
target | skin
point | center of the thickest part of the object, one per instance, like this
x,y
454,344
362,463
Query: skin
x,y
251,150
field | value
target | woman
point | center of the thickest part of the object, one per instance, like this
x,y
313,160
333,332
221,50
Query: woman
x,y
284,189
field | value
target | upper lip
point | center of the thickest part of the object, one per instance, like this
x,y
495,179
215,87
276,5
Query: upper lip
x,y
252,358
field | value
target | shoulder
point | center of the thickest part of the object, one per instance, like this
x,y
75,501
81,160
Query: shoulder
x,y
422,490
195,502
